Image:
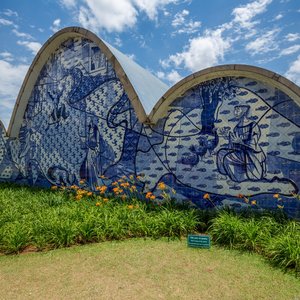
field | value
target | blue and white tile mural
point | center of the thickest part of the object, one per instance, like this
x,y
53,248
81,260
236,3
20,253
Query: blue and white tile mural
x,y
225,137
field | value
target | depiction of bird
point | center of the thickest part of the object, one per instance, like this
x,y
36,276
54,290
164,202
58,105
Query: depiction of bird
x,y
201,148
191,160
198,151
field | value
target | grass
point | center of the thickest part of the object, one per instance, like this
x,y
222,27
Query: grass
x,y
49,219
32,218
143,269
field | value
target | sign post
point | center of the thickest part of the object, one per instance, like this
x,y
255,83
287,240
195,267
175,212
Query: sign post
x,y
198,241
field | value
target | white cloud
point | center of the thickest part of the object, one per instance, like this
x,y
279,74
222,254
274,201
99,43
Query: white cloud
x,y
68,3
202,52
131,56
7,56
291,37
263,44
118,42
10,13
5,22
185,26
172,77
278,17
55,25
11,78
209,48
34,47
190,27
245,14
22,34
113,15
151,7
179,18
165,63
290,50
293,73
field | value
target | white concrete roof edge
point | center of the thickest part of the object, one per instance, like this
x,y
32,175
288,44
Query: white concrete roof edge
x,y
235,70
150,98
142,88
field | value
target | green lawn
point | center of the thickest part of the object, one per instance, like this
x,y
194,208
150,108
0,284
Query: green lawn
x,y
143,269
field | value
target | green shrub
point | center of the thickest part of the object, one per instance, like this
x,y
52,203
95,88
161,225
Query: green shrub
x,y
15,237
284,249
225,229
52,219
278,241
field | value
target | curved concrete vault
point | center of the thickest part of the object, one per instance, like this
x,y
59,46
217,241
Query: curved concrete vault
x,y
150,97
224,130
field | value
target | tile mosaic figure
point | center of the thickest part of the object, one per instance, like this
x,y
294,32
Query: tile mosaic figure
x,y
244,159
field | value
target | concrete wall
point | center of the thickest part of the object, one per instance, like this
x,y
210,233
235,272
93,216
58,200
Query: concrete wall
x,y
225,136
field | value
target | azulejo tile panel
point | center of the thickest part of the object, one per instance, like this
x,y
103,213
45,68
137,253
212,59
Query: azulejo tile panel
x,y
226,136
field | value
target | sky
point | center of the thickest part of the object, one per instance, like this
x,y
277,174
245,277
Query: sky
x,y
170,38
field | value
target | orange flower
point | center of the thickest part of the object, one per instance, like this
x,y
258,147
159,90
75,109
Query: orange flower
x,y
114,183
105,199
133,188
102,189
240,196
161,185
116,190
130,206
276,196
253,202
98,203
78,197
148,195
102,177
54,187
206,196
152,197
125,184
82,181
89,194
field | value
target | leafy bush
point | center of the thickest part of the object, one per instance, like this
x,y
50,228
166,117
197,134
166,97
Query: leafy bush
x,y
278,241
284,249
52,219
225,229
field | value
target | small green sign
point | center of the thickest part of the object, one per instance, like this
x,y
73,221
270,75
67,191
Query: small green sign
x,y
198,241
